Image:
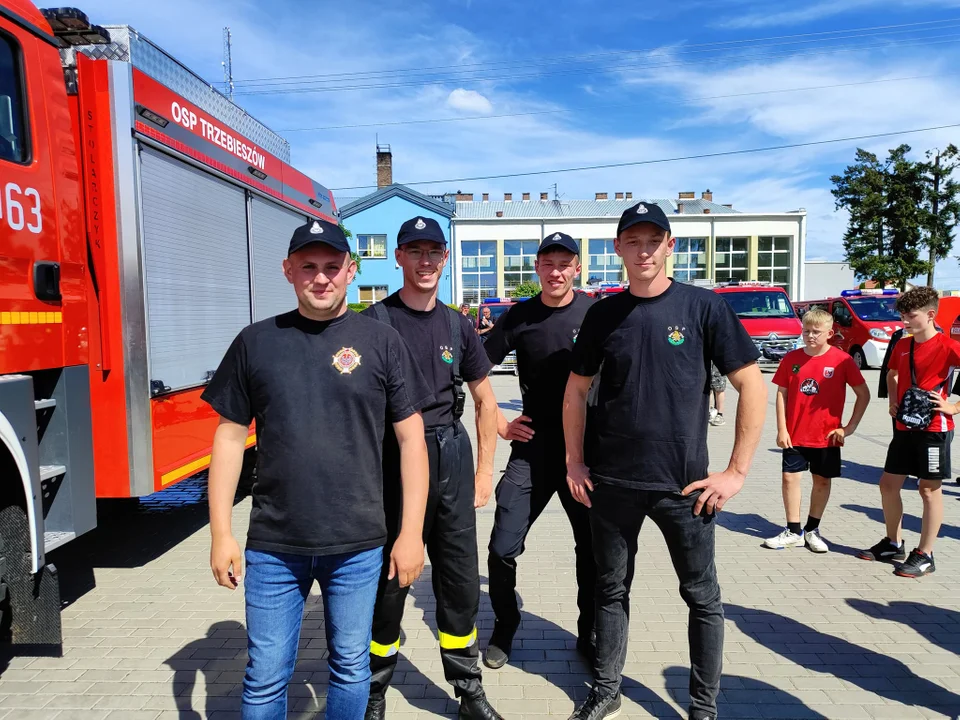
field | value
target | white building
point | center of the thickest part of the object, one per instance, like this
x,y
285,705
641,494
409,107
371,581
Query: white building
x,y
495,242
826,278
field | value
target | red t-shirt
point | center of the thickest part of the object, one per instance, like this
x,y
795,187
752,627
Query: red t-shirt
x,y
816,391
934,361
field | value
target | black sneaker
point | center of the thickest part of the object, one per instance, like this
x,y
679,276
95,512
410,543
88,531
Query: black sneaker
x,y
917,565
884,551
499,647
477,708
700,715
597,707
376,707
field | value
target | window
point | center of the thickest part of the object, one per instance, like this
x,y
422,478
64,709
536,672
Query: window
x,y
842,315
773,261
518,259
731,259
690,259
369,294
478,263
372,246
603,263
13,135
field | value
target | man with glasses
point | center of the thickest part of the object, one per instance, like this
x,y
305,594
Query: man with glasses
x,y
449,353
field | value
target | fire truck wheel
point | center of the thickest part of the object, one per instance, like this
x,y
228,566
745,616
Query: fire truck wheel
x,y
856,352
14,565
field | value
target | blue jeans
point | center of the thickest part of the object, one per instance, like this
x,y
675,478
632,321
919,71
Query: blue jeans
x,y
277,585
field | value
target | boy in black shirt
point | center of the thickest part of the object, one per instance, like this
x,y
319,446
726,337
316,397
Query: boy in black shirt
x,y
449,352
645,451
319,381
543,331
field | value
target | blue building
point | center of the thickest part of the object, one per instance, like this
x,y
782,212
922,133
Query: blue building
x,y
375,221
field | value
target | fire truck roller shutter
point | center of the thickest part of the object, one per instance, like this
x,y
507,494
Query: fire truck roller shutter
x,y
196,267
272,227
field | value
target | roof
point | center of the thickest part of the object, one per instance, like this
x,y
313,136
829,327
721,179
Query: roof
x,y
395,190
480,210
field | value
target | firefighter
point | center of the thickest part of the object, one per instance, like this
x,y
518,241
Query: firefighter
x,y
449,353
543,331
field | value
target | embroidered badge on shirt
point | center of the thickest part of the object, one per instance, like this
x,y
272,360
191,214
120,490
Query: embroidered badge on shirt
x,y
676,335
346,360
446,354
796,369
828,372
810,387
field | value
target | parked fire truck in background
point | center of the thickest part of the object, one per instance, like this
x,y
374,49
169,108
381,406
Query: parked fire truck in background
x,y
863,322
767,316
143,222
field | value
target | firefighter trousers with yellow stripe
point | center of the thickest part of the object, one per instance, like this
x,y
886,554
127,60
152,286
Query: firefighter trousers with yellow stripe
x,y
450,534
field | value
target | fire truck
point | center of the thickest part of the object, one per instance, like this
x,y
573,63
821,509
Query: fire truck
x,y
766,314
144,218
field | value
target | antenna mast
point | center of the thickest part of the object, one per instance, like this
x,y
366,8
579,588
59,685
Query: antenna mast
x,y
227,63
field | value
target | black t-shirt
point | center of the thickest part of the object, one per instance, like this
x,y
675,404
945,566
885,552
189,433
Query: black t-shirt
x,y
649,427
320,393
544,338
427,334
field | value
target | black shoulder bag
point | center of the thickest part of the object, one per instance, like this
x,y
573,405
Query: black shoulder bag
x,y
916,408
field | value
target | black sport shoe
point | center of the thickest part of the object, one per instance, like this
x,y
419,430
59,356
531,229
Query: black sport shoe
x,y
917,565
376,707
477,708
499,647
597,707
884,551
700,715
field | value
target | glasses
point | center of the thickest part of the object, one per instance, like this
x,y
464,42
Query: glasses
x,y
812,333
434,256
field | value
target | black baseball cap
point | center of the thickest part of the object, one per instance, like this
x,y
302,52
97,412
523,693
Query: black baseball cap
x,y
558,240
318,231
643,212
421,228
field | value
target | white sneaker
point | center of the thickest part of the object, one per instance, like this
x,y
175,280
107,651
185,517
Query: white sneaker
x,y
784,540
717,420
815,542
713,414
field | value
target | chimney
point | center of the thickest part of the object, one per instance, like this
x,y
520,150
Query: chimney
x,y
543,196
680,208
707,196
508,197
526,196
486,197
688,196
499,213
384,166
629,196
601,196
619,196
464,197
706,211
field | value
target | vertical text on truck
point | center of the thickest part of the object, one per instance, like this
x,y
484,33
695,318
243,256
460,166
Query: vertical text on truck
x,y
144,219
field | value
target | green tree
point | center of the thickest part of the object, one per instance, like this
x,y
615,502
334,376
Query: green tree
x,y
526,289
887,219
941,204
356,256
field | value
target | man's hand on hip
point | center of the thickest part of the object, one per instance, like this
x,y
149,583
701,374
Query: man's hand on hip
x,y
406,559
717,489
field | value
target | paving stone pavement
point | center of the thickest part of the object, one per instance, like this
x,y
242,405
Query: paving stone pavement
x,y
149,635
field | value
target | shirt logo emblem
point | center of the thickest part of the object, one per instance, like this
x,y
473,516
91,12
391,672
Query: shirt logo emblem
x,y
810,387
420,224
576,334
346,360
828,372
315,229
796,369
446,354
642,210
675,335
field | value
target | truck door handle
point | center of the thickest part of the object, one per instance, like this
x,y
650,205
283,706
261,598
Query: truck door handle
x,y
46,280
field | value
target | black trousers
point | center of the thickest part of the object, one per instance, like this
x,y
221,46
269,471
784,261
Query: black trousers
x,y
616,518
450,534
536,471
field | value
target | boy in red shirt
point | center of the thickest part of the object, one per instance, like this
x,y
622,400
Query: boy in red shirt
x,y
923,451
813,387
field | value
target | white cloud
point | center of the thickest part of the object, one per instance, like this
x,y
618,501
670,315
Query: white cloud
x,y
818,11
469,101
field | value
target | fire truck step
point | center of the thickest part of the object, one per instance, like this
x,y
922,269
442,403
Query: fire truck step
x,y
53,539
48,472
44,404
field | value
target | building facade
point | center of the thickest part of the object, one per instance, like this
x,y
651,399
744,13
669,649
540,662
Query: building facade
x,y
375,221
495,242
825,278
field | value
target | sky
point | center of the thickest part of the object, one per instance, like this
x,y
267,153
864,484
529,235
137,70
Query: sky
x,y
584,83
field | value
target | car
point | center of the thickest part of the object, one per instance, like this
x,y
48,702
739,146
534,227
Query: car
x,y
498,307
863,322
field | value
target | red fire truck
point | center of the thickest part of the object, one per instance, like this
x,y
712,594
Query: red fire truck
x,y
766,314
143,221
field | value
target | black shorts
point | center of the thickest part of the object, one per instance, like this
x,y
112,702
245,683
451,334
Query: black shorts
x,y
924,455
824,462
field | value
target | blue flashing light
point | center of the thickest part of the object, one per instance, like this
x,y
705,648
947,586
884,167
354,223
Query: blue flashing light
x,y
850,293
